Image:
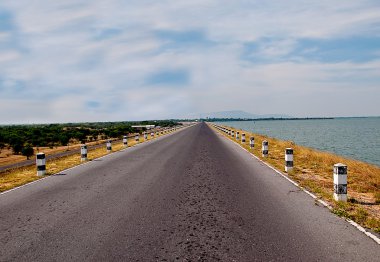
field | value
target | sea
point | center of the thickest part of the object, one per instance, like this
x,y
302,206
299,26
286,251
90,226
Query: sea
x,y
355,138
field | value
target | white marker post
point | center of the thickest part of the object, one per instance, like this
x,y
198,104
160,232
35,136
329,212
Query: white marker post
x,y
264,148
125,141
145,136
83,153
251,142
232,133
41,164
137,138
229,132
340,182
151,135
288,159
237,135
243,138
109,146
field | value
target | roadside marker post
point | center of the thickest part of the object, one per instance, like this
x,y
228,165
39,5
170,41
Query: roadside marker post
x,y
251,142
125,141
340,182
137,138
41,164
237,135
232,133
288,159
145,136
264,148
83,152
109,146
243,138
151,135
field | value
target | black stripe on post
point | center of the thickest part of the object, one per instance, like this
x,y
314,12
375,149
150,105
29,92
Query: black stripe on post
x,y
289,163
289,151
340,188
40,156
41,168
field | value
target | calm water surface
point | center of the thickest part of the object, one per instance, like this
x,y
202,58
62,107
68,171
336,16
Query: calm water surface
x,y
357,138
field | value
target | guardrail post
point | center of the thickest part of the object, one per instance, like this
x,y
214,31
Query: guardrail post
x,y
251,142
243,138
125,141
340,182
264,148
41,164
288,159
83,153
109,146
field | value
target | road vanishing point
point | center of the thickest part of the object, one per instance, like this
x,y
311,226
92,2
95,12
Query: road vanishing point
x,y
189,196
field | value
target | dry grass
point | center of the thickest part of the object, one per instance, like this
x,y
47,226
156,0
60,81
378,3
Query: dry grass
x,y
313,170
20,176
7,157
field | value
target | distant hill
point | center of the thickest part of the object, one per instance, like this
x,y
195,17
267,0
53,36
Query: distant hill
x,y
237,114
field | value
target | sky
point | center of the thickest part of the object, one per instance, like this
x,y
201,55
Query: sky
x,y
118,60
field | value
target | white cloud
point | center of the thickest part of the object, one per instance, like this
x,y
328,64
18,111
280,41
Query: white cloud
x,y
60,48
4,36
9,56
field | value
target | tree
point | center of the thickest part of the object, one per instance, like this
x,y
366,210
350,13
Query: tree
x,y
64,139
27,151
2,145
16,148
16,143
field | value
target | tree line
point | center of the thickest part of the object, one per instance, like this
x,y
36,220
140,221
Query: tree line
x,y
22,138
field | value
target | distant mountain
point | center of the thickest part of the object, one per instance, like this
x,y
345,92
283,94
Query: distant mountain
x,y
237,114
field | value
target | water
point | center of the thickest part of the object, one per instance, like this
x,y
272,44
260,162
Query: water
x,y
356,138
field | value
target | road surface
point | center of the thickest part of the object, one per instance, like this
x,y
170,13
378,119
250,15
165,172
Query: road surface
x,y
190,196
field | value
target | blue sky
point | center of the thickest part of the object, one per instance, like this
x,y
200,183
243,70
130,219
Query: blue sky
x,y
76,60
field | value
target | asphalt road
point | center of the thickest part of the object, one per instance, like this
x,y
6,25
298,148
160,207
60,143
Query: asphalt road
x,y
190,196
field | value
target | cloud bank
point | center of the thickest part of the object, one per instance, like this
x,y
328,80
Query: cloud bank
x,y
69,61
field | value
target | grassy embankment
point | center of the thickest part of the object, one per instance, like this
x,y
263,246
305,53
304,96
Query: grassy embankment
x,y
313,170
7,157
20,176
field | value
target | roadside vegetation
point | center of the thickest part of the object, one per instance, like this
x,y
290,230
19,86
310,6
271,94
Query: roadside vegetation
x,y
19,176
313,170
26,140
